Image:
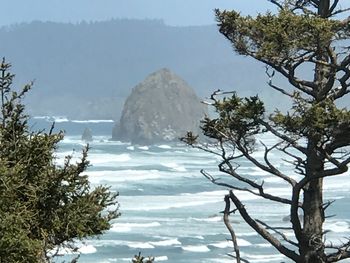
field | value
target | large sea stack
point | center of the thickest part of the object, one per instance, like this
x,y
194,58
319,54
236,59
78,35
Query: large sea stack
x,y
161,108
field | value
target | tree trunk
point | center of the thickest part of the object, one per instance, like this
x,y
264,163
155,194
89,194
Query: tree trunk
x,y
311,247
323,8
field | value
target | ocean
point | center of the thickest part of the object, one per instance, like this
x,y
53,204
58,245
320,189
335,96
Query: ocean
x,y
170,211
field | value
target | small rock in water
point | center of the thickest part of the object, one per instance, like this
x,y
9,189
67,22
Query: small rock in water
x,y
87,135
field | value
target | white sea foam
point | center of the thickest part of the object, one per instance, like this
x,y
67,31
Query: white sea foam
x,y
142,245
164,146
223,244
164,202
144,148
82,248
122,175
88,249
131,148
248,234
209,219
264,245
108,159
226,244
52,118
199,248
60,119
92,121
174,166
337,226
161,258
127,227
165,243
264,258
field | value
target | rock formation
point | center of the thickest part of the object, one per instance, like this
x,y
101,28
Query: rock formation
x,y
161,108
87,135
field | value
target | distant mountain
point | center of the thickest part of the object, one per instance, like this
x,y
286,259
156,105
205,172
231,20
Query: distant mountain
x,y
87,70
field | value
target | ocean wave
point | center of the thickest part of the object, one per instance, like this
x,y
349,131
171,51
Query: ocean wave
x,y
160,258
174,166
165,202
337,226
209,219
88,249
264,258
92,121
108,159
165,243
52,118
164,146
142,245
264,245
82,249
227,244
122,175
199,248
127,227
144,148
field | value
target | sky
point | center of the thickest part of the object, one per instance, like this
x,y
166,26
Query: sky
x,y
172,12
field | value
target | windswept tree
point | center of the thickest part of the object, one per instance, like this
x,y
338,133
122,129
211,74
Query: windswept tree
x,y
307,43
43,206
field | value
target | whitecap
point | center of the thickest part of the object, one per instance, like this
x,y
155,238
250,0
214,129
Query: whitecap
x,y
127,227
200,248
164,146
209,219
264,258
337,226
175,166
108,159
60,119
165,243
92,121
228,243
264,245
161,258
142,245
223,244
131,148
145,148
122,176
88,249
83,249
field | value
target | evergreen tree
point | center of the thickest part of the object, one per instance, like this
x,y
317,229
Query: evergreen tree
x,y
43,206
314,135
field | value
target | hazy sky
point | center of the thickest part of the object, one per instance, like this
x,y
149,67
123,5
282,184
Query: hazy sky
x,y
173,12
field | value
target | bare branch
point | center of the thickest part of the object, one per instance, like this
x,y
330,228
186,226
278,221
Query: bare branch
x,y
284,137
277,4
230,229
333,6
262,231
273,168
274,229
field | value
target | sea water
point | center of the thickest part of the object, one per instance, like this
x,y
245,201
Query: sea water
x,y
170,211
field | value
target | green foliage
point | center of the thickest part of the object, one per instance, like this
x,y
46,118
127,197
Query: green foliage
x,y
314,135
238,119
313,120
277,37
43,206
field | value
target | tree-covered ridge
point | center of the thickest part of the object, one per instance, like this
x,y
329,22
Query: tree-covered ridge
x,y
43,206
313,135
90,68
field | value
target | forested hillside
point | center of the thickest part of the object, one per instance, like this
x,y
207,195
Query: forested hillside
x,y
87,70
